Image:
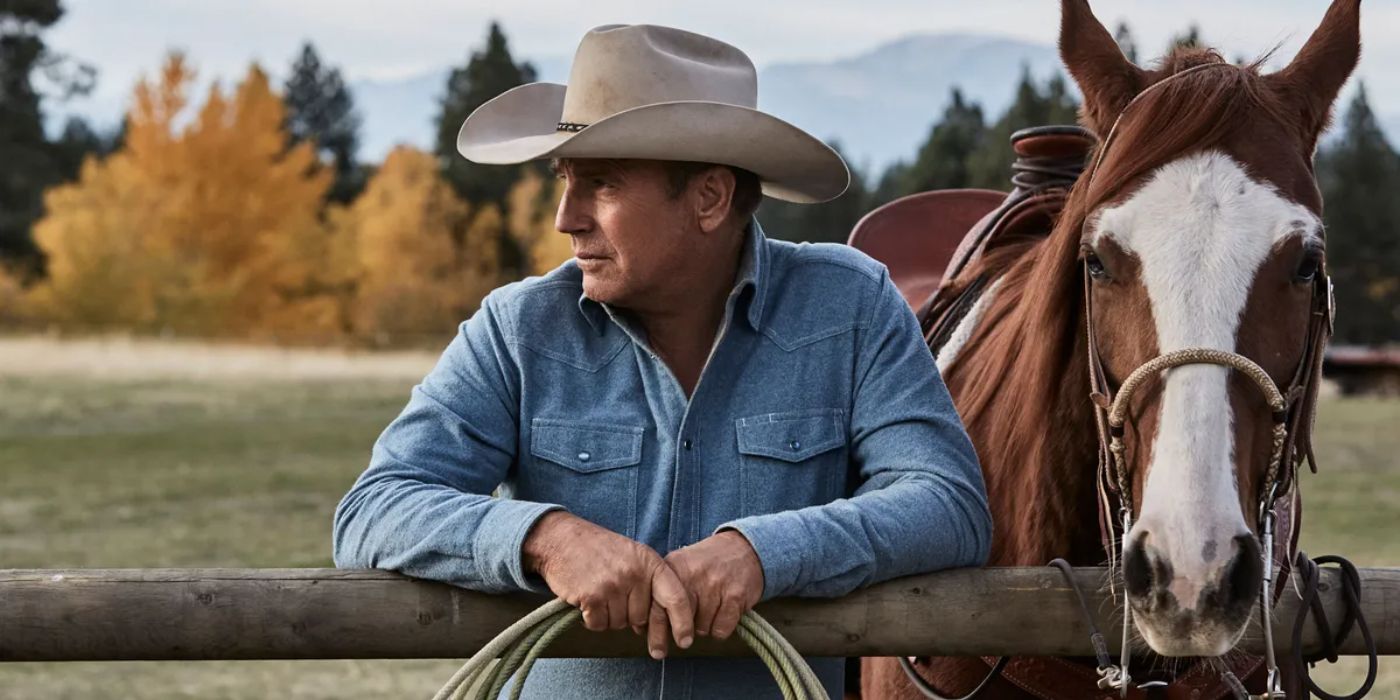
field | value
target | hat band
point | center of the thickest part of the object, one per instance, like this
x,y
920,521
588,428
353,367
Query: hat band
x,y
570,126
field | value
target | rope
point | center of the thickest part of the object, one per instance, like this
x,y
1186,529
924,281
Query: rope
x,y
513,653
1189,356
1118,409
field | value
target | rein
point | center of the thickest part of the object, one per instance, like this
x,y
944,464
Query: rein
x,y
1293,411
1291,416
1292,408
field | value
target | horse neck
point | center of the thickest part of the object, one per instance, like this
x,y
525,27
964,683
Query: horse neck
x,y
1035,437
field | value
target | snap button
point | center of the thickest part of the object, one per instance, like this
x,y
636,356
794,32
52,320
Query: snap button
x,y
584,456
795,445
686,444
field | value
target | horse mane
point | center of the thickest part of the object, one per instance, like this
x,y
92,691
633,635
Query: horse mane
x,y
1021,380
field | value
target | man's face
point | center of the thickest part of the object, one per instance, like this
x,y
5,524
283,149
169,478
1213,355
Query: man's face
x,y
629,234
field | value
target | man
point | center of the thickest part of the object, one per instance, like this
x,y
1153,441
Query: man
x,y
687,418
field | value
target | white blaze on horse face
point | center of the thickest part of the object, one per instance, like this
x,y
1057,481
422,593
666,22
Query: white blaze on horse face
x,y
1200,229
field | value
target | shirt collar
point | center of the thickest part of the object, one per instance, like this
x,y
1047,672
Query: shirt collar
x,y
753,272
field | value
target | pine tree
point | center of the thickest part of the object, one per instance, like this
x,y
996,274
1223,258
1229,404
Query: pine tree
x,y
77,142
1360,175
1189,39
942,162
828,222
1124,36
990,165
490,72
28,164
321,109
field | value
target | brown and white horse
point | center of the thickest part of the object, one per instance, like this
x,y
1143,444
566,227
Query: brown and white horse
x,y
1200,228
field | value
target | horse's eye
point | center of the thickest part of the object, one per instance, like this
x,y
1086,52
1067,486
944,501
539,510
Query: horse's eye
x,y
1308,267
1095,265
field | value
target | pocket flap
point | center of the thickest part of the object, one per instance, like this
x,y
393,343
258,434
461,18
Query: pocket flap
x,y
585,447
793,436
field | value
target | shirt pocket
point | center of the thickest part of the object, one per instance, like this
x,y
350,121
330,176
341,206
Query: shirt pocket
x,y
791,460
589,468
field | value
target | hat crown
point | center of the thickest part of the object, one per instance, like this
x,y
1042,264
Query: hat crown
x,y
621,67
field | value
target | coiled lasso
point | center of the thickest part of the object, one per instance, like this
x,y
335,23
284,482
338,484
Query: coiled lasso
x,y
522,643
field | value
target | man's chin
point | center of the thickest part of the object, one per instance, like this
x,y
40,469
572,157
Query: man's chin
x,y
602,291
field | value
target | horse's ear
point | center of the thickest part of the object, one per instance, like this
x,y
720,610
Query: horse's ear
x,y
1309,85
1105,76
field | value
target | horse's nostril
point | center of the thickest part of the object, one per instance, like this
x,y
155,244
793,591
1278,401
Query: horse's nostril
x,y
1144,569
1246,571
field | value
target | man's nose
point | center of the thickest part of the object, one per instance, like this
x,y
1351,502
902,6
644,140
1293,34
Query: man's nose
x,y
573,216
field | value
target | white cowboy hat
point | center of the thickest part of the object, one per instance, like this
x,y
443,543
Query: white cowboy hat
x,y
642,91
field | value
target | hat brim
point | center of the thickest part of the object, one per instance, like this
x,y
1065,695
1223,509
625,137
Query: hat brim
x,y
521,125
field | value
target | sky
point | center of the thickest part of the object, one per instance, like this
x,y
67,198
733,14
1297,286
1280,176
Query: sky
x,y
393,39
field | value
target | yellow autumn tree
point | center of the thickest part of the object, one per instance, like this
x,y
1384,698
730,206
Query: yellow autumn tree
x,y
211,228
532,203
12,307
422,258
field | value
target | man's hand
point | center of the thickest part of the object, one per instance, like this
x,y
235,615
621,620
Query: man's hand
x,y
723,576
614,580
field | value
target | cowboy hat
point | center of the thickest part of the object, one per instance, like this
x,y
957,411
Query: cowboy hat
x,y
643,91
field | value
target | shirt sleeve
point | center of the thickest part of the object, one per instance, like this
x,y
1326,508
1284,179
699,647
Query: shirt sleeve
x,y
424,505
921,504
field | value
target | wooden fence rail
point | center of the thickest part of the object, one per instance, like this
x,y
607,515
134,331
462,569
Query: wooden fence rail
x,y
150,614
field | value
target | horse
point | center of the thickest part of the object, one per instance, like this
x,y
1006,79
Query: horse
x,y
1141,379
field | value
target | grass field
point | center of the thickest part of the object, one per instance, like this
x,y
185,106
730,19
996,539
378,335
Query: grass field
x,y
164,455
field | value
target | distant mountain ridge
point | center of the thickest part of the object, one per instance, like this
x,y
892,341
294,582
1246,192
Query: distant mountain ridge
x,y
879,104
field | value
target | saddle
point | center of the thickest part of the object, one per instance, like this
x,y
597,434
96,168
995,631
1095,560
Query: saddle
x,y
928,239
918,235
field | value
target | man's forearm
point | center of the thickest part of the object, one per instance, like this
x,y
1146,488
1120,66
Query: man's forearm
x,y
433,531
917,522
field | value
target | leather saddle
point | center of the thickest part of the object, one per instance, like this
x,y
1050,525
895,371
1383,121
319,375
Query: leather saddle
x,y
918,235
927,239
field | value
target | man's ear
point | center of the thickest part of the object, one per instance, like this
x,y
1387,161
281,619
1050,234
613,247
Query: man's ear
x,y
713,194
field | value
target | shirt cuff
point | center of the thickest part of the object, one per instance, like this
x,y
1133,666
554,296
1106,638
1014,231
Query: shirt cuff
x,y
497,547
778,541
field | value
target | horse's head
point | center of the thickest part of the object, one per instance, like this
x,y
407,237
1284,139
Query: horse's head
x,y
1202,229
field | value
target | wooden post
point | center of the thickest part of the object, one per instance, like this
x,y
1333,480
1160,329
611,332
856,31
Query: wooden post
x,y
149,614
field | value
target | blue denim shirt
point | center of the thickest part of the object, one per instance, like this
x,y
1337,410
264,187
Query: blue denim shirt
x,y
819,429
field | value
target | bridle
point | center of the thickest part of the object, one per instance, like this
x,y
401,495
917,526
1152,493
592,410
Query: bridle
x,y
1292,410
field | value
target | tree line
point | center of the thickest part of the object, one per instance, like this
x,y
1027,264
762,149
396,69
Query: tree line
x,y
254,218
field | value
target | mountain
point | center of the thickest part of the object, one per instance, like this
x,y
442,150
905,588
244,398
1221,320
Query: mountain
x,y
881,104
878,105
406,110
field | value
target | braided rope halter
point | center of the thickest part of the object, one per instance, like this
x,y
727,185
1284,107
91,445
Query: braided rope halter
x,y
1111,412
1117,677
1112,480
